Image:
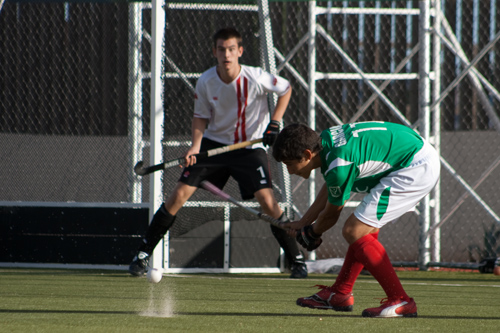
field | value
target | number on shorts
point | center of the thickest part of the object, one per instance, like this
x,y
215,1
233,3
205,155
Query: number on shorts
x,y
261,170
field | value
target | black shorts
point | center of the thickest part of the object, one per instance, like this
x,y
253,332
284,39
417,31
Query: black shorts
x,y
249,167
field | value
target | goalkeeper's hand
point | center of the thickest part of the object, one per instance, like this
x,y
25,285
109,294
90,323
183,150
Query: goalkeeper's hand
x,y
308,238
271,133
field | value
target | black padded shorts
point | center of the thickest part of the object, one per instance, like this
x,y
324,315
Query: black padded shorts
x,y
249,167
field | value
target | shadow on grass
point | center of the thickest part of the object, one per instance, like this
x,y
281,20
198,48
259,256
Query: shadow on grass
x,y
237,314
319,315
66,311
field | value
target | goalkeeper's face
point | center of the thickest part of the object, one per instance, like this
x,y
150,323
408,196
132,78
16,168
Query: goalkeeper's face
x,y
228,53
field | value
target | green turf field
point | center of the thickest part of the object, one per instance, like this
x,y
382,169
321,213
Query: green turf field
x,y
49,300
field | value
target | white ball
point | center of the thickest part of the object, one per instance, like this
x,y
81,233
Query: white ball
x,y
154,275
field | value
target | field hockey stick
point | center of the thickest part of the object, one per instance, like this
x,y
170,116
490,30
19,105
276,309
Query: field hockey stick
x,y
215,190
141,170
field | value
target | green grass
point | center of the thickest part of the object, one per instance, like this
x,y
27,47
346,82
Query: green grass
x,y
49,300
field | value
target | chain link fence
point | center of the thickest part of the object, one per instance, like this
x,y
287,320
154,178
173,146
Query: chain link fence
x,y
63,101
470,133
65,88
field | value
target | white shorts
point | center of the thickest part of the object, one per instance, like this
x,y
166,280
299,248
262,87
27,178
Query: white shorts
x,y
401,190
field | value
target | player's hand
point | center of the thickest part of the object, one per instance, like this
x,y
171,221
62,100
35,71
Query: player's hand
x,y
190,157
293,227
271,133
308,238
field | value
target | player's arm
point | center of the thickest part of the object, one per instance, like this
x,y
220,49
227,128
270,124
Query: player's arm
x,y
198,126
281,105
327,218
335,200
330,214
310,236
313,212
269,83
324,213
200,120
273,129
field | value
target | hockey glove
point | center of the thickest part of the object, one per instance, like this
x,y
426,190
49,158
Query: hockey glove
x,y
272,131
308,238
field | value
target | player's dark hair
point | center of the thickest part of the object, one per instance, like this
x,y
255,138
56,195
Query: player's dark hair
x,y
227,33
293,140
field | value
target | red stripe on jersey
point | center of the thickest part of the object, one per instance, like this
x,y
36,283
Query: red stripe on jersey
x,y
243,116
238,97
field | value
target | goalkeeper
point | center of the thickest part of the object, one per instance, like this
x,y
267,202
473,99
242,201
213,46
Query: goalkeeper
x,y
394,166
230,106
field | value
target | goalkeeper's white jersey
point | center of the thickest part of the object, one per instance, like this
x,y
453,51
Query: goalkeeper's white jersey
x,y
237,111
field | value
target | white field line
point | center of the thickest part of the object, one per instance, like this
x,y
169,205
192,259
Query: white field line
x,y
330,281
315,280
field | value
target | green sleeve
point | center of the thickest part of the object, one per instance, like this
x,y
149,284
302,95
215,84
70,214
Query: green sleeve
x,y
339,182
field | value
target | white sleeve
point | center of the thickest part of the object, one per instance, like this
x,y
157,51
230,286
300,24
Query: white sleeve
x,y
273,83
201,105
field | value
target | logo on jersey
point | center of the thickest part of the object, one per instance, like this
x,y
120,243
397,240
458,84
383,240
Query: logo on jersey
x,y
216,98
365,190
275,81
335,191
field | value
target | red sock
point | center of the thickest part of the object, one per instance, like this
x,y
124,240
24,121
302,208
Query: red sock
x,y
369,252
349,272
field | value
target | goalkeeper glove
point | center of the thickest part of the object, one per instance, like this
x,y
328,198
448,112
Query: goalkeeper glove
x,y
271,132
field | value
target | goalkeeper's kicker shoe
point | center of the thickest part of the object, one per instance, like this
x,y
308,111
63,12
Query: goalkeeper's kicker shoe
x,y
391,308
327,299
139,264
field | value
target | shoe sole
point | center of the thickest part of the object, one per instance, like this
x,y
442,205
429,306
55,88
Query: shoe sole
x,y
336,308
408,315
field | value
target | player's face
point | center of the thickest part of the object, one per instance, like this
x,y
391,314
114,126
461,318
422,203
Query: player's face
x,y
227,53
301,168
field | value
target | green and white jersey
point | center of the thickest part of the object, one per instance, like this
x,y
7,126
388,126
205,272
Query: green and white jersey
x,y
356,156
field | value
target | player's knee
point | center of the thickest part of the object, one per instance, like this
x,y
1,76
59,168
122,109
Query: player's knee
x,y
178,197
348,232
354,229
